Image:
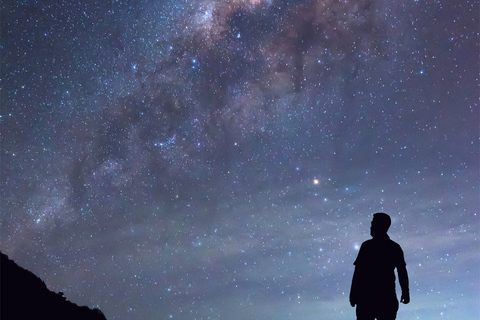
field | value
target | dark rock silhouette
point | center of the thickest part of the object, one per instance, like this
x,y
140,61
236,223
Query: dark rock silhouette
x,y
25,296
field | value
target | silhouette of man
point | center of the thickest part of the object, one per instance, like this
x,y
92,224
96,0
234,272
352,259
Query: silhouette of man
x,y
373,283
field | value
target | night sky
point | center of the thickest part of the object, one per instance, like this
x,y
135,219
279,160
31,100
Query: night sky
x,y
214,159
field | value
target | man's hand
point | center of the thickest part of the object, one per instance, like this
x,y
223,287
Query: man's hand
x,y
405,298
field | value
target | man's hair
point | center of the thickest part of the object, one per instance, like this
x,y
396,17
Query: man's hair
x,y
383,220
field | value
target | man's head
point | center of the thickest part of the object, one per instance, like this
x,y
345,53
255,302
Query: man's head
x,y
380,224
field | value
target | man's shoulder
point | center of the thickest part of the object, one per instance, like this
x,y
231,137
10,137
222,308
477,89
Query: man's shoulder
x,y
375,242
395,248
367,242
394,244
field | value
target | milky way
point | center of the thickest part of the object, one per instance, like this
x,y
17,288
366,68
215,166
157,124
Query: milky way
x,y
222,159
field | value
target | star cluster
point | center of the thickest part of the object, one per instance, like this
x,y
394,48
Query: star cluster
x,y
222,159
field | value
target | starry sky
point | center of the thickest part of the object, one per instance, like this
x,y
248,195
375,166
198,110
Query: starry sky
x,y
222,159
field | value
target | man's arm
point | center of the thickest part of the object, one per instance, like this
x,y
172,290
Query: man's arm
x,y
354,288
403,279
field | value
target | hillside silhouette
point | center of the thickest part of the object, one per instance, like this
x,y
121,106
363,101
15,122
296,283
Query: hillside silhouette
x,y
24,296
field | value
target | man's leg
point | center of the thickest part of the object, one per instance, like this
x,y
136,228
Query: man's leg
x,y
389,316
389,312
364,312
